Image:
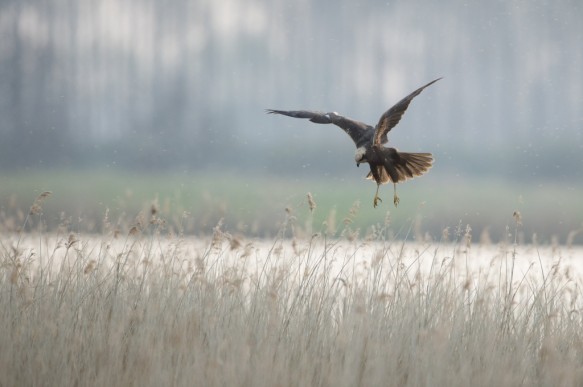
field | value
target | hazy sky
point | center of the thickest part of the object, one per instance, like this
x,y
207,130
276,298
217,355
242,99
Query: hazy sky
x,y
108,77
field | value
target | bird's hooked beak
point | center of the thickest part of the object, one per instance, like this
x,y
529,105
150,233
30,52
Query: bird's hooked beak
x,y
358,164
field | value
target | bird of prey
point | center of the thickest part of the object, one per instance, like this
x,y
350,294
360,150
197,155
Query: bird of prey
x,y
386,164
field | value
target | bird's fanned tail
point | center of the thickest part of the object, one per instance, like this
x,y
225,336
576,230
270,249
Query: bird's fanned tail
x,y
404,166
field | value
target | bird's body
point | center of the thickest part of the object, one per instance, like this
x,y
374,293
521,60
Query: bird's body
x,y
386,164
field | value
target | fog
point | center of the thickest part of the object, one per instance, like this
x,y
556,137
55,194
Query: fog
x,y
156,84
183,85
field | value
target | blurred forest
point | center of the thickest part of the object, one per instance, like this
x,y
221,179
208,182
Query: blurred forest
x,y
122,94
144,84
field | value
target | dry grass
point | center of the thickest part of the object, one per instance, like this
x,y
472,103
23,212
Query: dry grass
x,y
142,308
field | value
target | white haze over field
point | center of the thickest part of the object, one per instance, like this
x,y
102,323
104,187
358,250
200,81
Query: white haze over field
x,y
335,260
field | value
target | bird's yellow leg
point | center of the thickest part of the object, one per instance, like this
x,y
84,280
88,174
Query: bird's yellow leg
x,y
376,197
396,198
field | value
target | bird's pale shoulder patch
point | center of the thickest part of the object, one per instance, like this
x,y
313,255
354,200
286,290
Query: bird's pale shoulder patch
x,y
359,155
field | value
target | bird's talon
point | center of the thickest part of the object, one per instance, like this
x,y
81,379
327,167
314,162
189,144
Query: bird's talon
x,y
376,200
396,200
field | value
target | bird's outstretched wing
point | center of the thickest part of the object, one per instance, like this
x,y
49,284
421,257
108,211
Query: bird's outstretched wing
x,y
358,131
392,116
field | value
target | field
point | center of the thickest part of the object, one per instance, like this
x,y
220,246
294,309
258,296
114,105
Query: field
x,y
139,304
254,205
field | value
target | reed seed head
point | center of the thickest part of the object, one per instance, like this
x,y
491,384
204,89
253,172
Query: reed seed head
x,y
517,218
311,202
36,207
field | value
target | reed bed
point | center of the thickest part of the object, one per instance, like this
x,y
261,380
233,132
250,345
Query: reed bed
x,y
147,308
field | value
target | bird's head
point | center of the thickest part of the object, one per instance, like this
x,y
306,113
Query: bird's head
x,y
360,156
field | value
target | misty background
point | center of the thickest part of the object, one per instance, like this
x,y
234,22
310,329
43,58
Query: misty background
x,y
152,87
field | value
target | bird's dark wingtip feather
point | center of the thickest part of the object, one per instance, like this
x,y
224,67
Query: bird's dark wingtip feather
x,y
432,82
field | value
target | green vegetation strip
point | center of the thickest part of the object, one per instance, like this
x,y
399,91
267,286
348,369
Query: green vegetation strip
x,y
255,204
